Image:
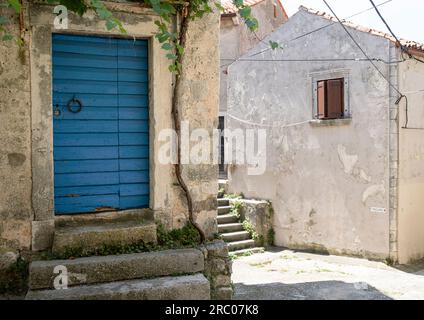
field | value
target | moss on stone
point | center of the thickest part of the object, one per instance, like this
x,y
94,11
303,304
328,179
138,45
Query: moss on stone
x,y
185,237
14,279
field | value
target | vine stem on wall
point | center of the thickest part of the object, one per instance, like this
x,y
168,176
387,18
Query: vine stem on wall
x,y
185,14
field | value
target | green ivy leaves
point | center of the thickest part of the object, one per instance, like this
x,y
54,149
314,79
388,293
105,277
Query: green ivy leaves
x,y
15,4
246,14
105,14
165,9
168,40
274,45
77,6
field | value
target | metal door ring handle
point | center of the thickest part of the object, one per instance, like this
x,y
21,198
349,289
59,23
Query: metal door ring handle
x,y
71,105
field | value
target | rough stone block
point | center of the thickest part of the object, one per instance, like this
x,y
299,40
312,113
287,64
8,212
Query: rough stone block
x,y
90,237
192,287
259,213
92,270
223,294
42,235
221,281
7,259
218,249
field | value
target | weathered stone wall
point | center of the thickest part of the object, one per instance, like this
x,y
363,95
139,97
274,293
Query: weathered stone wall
x,y
218,269
199,107
26,162
324,179
259,214
15,156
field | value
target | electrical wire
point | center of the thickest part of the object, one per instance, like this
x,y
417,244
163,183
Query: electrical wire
x,y
401,95
312,60
326,26
402,47
300,36
361,49
268,125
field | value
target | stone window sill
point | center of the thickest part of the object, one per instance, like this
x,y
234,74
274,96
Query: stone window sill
x,y
330,122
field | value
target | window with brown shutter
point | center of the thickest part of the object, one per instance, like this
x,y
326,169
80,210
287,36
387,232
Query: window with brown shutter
x,y
330,99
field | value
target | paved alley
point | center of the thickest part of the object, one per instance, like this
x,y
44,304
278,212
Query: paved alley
x,y
288,275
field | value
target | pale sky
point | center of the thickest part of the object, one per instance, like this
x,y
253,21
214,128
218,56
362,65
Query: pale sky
x,y
405,17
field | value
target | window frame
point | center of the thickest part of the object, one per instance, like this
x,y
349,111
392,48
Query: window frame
x,y
330,75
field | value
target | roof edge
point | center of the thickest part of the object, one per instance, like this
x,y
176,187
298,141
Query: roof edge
x,y
411,45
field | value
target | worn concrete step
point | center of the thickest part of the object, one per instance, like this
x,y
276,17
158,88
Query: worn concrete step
x,y
224,209
92,270
235,236
89,236
230,227
223,184
239,245
223,202
190,287
246,252
226,218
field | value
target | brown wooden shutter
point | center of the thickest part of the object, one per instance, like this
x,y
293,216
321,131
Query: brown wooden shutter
x,y
335,99
321,99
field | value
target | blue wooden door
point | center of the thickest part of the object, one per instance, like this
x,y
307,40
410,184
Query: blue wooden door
x,y
101,124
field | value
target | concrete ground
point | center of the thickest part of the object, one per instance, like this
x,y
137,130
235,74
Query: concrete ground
x,y
289,275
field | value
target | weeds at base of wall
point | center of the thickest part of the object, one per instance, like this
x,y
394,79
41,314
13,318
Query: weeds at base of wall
x,y
390,261
236,206
234,196
271,236
270,210
237,256
14,280
186,237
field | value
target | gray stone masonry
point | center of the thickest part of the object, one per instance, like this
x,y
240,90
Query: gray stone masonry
x,y
218,269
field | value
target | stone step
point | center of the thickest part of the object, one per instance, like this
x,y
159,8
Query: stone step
x,y
89,236
222,184
223,202
235,236
226,218
91,270
239,245
249,251
230,227
224,209
191,287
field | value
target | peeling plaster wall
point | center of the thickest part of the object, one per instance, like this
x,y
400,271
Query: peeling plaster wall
x,y
411,164
323,179
15,144
199,105
236,39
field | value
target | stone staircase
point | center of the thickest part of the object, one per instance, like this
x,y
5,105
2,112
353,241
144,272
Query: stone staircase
x,y
169,274
231,229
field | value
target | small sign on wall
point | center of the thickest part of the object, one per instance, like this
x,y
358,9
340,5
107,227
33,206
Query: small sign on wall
x,y
378,210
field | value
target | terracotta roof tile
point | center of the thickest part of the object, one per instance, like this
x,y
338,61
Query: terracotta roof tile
x,y
406,43
229,7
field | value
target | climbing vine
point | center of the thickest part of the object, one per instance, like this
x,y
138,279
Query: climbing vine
x,y
172,41
165,9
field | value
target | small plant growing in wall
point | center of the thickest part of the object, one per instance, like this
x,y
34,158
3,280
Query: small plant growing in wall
x,y
13,280
233,196
236,207
248,226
